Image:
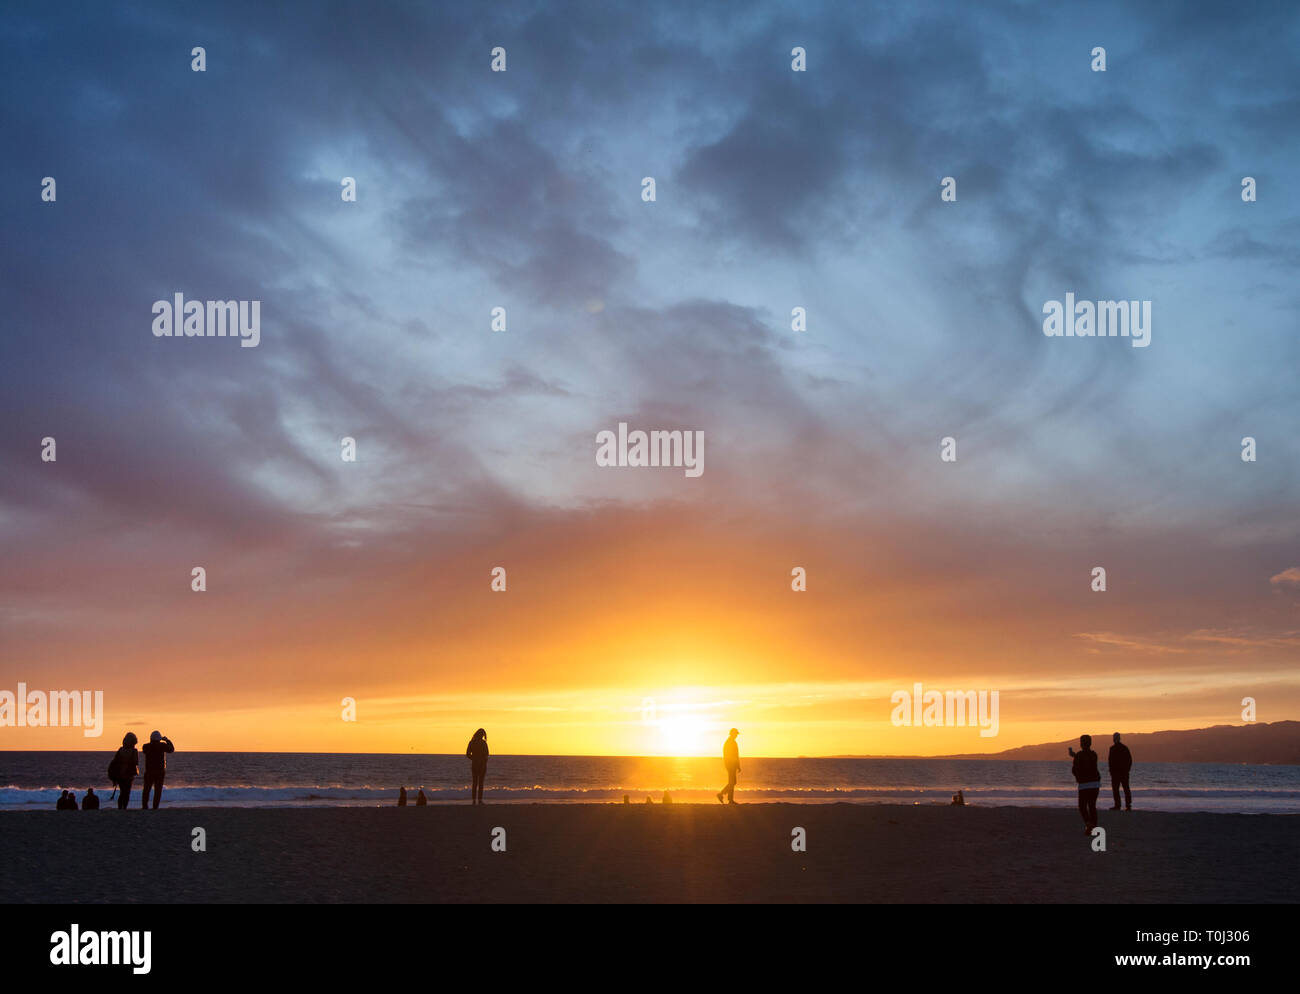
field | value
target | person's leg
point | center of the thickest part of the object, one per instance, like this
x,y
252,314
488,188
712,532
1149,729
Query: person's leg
x,y
730,789
1128,794
1083,805
157,790
1092,806
144,790
1114,789
124,793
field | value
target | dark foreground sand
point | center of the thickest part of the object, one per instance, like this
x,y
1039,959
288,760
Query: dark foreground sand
x,y
681,852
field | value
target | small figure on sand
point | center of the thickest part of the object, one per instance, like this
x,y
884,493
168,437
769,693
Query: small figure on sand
x,y
1120,761
401,797
959,799
123,769
65,803
730,760
155,766
420,800
1089,781
477,751
91,801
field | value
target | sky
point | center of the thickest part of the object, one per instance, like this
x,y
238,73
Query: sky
x,y
646,611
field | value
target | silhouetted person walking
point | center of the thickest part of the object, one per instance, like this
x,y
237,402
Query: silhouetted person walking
x,y
155,766
91,801
401,798
477,751
731,760
1120,761
1089,780
123,769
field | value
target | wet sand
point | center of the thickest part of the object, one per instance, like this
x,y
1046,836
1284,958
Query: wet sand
x,y
646,853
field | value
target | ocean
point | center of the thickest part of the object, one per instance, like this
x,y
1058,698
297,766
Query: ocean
x,y
34,780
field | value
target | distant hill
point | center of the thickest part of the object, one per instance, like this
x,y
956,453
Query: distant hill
x,y
1275,742
1267,743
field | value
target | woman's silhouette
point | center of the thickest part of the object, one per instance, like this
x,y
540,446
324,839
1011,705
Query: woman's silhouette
x,y
477,751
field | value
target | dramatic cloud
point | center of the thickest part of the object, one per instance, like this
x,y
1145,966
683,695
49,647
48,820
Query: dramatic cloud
x,y
522,190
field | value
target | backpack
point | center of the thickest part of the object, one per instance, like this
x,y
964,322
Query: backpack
x,y
118,767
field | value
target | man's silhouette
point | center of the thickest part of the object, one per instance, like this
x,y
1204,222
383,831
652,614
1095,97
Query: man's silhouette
x,y
91,801
401,798
1120,761
155,766
731,760
1089,780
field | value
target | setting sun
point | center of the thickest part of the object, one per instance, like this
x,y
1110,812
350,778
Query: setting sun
x,y
688,735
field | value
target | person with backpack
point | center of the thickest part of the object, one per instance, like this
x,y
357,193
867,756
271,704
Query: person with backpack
x,y
155,767
123,769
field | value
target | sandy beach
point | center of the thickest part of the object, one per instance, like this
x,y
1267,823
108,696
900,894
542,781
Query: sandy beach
x,y
645,853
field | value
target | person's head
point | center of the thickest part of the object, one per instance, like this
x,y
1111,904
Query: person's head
x,y
129,739
90,791
733,733
481,733
1115,736
155,736
1085,741
64,794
